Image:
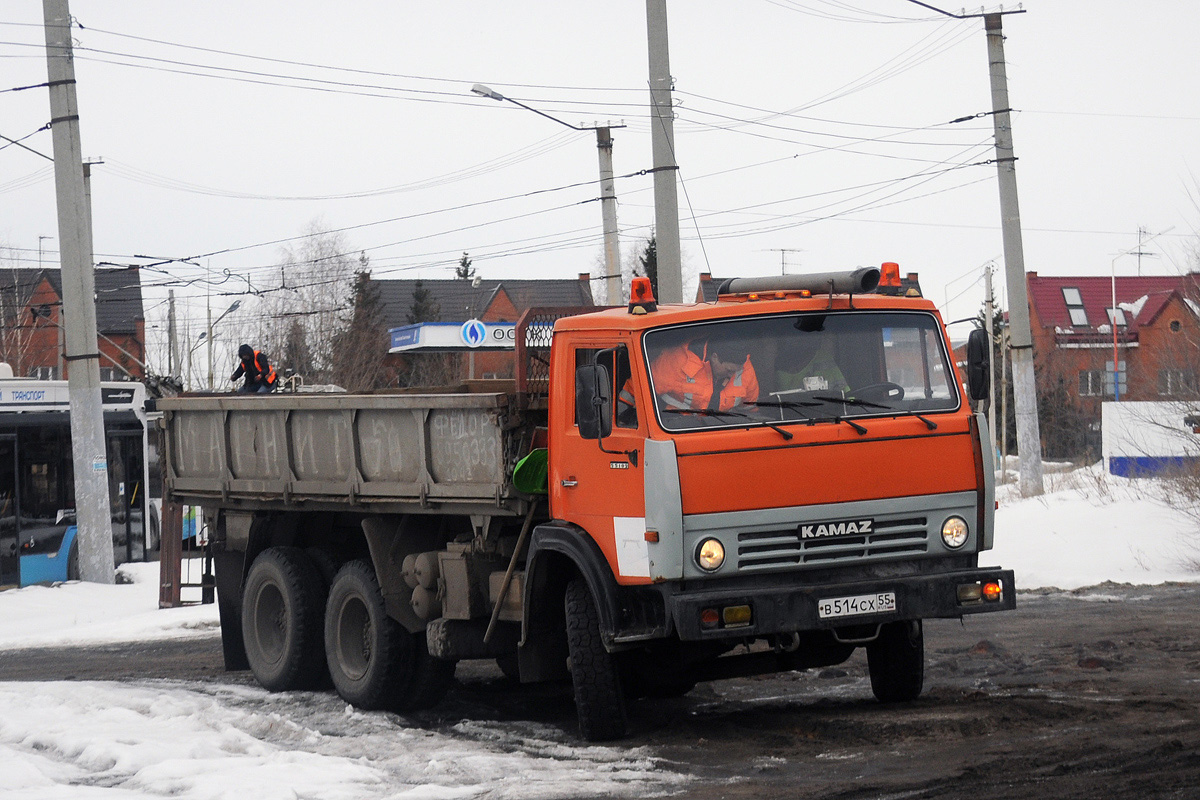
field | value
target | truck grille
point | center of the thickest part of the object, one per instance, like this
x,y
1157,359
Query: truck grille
x,y
762,550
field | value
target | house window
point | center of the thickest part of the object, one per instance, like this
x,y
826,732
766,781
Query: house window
x,y
1175,326
1092,383
1074,303
107,374
44,373
1116,316
1176,382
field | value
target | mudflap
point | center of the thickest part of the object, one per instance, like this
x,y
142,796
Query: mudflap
x,y
230,566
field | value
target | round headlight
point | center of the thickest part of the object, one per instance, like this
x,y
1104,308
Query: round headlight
x,y
954,532
710,555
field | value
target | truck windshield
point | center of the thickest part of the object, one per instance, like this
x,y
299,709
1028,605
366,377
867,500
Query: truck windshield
x,y
811,367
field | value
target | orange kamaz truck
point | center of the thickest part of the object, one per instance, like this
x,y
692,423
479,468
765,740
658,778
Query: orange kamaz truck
x,y
665,494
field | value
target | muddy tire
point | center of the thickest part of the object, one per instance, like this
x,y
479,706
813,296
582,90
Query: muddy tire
x,y
370,654
599,698
896,662
282,611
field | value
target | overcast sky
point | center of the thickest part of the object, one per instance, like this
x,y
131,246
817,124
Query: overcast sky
x,y
811,135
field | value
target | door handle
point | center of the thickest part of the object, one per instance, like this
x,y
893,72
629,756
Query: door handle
x,y
570,483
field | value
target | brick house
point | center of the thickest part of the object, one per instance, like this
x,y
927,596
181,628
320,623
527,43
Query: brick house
x,y
1072,320
488,301
1157,321
31,336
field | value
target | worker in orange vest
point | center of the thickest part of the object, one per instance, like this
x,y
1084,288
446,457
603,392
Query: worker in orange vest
x,y
720,378
260,375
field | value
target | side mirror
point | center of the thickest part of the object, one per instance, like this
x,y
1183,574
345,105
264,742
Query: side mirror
x,y
979,360
593,401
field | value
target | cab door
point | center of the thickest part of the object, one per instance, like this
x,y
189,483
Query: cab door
x,y
597,484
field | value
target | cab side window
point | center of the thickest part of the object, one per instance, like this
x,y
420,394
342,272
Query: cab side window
x,y
615,361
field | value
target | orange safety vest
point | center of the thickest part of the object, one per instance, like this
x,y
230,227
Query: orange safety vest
x,y
685,381
742,387
268,376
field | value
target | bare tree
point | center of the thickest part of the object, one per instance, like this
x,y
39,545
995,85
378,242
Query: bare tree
x,y
15,329
309,297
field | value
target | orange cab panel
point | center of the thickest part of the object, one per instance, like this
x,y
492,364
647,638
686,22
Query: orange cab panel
x,y
829,463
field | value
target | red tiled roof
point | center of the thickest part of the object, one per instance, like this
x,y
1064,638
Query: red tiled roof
x,y
1046,296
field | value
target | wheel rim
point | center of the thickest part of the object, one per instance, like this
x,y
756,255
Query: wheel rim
x,y
270,613
354,638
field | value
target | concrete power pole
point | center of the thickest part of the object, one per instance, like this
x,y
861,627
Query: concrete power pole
x,y
1029,446
614,292
662,142
79,303
172,336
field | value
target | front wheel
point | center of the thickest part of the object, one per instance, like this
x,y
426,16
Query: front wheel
x,y
896,662
599,698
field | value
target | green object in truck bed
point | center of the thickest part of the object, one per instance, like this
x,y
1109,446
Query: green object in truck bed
x,y
531,472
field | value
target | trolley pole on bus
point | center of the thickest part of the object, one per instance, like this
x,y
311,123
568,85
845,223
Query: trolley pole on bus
x,y
96,563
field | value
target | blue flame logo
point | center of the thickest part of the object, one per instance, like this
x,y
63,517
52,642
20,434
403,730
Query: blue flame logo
x,y
473,333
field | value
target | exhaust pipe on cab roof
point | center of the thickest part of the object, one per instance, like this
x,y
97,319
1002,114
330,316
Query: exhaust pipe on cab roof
x,y
859,281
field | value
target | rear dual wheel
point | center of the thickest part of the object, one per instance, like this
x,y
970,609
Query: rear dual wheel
x,y
283,605
375,662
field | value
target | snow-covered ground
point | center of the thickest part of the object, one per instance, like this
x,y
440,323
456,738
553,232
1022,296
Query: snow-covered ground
x,y
191,740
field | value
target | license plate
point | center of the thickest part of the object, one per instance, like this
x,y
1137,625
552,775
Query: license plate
x,y
880,603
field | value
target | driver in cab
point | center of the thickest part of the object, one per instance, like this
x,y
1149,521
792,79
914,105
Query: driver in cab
x,y
704,375
809,364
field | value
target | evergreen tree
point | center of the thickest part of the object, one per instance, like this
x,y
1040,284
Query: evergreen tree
x,y
424,307
360,349
648,259
464,271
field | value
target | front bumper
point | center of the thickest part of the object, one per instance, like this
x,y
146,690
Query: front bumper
x,y
783,609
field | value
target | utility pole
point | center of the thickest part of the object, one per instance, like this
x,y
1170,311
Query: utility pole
x,y
662,144
172,338
1029,440
613,291
1029,444
79,292
208,306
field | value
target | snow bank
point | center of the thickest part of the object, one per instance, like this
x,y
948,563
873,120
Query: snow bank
x,y
1091,527
164,738
90,613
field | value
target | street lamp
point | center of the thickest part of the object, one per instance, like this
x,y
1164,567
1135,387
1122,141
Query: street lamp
x,y
608,195
209,335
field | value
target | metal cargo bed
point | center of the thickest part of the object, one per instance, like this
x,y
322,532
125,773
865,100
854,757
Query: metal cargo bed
x,y
388,453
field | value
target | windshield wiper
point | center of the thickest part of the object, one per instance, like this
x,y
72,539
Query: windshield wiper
x,y
809,418
900,412
712,412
